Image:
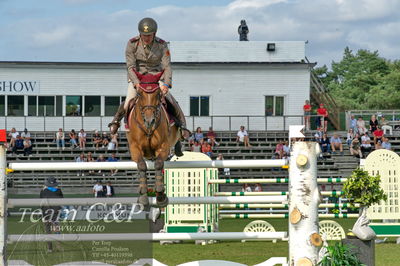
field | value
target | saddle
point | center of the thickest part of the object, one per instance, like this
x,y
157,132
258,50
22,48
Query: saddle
x,y
149,83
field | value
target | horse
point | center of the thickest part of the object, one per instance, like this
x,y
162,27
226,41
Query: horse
x,y
150,135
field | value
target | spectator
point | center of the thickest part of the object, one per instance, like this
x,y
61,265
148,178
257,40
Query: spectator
x,y
198,135
325,144
353,123
211,136
101,159
98,190
378,135
258,188
385,126
89,158
318,135
18,145
13,137
73,139
385,144
307,113
113,142
109,190
361,126
97,140
355,148
366,144
105,140
206,148
350,136
26,134
246,188
113,158
373,123
227,171
60,139
196,147
82,139
336,143
286,149
322,117
243,137
279,150
27,146
81,159
51,214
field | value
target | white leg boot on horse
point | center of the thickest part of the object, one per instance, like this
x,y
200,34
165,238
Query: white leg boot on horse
x,y
181,123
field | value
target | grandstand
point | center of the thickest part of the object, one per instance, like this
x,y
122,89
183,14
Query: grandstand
x,y
45,149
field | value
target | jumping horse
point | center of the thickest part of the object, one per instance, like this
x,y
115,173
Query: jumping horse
x,y
151,135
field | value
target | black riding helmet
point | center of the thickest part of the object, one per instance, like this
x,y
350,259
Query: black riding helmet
x,y
147,26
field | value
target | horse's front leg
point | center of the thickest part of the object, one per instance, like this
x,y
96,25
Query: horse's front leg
x,y
161,197
142,168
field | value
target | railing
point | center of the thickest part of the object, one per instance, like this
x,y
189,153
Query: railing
x,y
218,122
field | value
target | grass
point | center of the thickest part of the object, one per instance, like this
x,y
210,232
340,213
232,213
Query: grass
x,y
125,252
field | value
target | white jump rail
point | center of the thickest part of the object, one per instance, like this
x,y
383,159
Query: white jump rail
x,y
70,166
149,236
175,200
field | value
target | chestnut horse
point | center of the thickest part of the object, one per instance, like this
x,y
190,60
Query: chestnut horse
x,y
150,136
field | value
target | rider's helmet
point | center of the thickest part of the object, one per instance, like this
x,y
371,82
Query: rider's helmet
x,y
147,26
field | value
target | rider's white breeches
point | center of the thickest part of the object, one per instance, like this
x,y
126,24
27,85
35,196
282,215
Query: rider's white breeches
x,y
130,94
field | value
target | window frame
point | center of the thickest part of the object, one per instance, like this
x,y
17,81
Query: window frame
x,y
199,111
274,105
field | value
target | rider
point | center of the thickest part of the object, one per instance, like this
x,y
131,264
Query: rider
x,y
146,54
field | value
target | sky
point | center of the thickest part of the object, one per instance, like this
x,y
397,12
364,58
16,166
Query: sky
x,y
98,30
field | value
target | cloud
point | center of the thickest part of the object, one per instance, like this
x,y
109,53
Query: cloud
x,y
53,37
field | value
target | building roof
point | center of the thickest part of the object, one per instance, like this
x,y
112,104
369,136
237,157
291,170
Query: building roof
x,y
236,52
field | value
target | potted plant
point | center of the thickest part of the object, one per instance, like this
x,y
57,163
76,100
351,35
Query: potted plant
x,y
339,254
364,189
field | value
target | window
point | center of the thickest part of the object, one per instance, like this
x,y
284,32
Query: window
x,y
2,105
46,106
92,105
59,105
111,105
73,106
32,106
274,105
199,106
15,106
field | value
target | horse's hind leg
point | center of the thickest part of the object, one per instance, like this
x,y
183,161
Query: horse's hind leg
x,y
161,197
143,198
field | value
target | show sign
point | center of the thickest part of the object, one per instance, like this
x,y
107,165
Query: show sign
x,y
19,87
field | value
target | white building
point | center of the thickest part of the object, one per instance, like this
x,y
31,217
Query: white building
x,y
262,85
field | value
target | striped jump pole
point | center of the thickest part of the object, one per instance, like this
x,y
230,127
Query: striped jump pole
x,y
284,206
149,236
282,215
129,165
271,180
332,193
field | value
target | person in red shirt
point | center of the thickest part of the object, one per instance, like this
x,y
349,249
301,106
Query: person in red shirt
x,y
307,113
206,148
378,135
322,116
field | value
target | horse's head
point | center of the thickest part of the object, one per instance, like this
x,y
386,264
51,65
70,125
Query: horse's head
x,y
149,104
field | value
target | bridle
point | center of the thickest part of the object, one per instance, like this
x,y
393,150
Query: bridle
x,y
150,128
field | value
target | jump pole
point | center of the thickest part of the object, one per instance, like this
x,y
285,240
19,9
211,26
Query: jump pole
x,y
270,180
3,199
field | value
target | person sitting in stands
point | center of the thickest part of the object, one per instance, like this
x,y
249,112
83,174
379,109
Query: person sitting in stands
x,y
243,137
211,136
101,159
246,188
385,144
198,135
353,123
72,139
13,137
279,150
196,147
109,190
97,140
366,144
98,190
206,148
361,126
318,135
350,136
113,158
336,143
286,150
82,139
60,139
227,171
18,144
325,144
378,135
105,140
114,142
27,146
258,188
81,159
355,148
385,125
373,124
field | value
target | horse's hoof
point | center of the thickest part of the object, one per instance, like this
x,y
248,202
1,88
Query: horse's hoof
x,y
144,200
162,200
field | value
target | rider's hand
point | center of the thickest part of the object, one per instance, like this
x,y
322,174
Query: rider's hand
x,y
164,89
137,86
